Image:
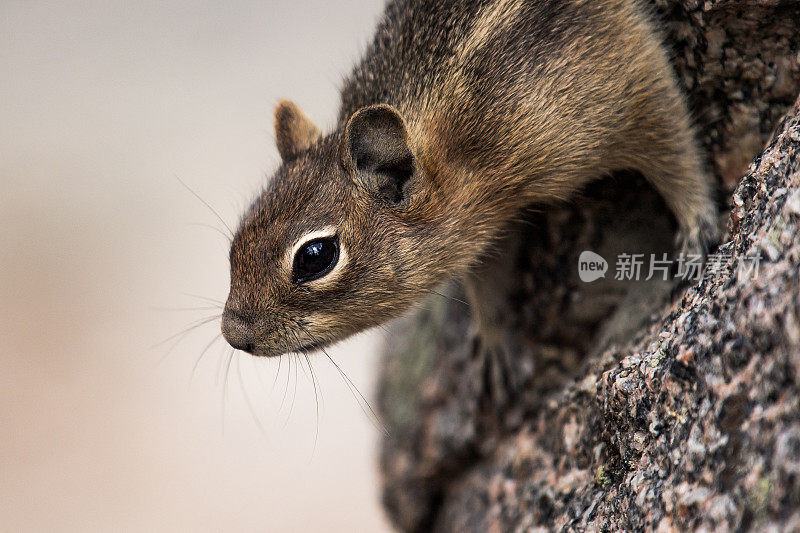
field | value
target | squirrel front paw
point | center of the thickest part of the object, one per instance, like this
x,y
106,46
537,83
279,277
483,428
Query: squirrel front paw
x,y
701,236
501,383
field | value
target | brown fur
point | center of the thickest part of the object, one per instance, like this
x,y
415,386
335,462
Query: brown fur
x,y
294,131
458,118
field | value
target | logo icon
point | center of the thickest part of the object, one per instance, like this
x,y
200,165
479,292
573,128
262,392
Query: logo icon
x,y
591,266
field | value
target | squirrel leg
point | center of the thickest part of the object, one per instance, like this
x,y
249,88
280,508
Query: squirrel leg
x,y
686,189
670,160
490,286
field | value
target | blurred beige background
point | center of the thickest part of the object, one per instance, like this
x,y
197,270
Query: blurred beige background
x,y
102,104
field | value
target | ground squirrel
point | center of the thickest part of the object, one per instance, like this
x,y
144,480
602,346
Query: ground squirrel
x,y
459,116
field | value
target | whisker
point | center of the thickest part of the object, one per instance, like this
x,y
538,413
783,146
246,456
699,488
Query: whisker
x,y
452,298
225,387
209,226
384,328
314,383
316,400
302,368
181,335
196,363
354,390
247,397
205,204
209,308
277,373
286,387
227,373
192,325
206,298
371,415
437,293
255,362
294,393
288,371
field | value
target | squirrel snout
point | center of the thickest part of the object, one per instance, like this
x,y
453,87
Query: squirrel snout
x,y
238,332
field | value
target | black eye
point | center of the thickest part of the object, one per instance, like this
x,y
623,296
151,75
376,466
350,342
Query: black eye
x,y
315,259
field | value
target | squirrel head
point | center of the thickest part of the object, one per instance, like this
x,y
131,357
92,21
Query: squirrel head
x,y
343,238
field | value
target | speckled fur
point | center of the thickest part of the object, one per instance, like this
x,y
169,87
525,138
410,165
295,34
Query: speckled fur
x,y
502,104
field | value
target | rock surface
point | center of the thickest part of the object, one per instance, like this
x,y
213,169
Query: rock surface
x,y
644,406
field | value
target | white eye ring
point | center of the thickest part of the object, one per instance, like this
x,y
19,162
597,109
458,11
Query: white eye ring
x,y
326,232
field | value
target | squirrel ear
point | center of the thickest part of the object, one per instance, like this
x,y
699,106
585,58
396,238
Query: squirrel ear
x,y
376,147
294,131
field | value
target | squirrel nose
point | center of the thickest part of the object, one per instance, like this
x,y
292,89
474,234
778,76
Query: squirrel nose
x,y
237,331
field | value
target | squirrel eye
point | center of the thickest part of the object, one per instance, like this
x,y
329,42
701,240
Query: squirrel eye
x,y
315,259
